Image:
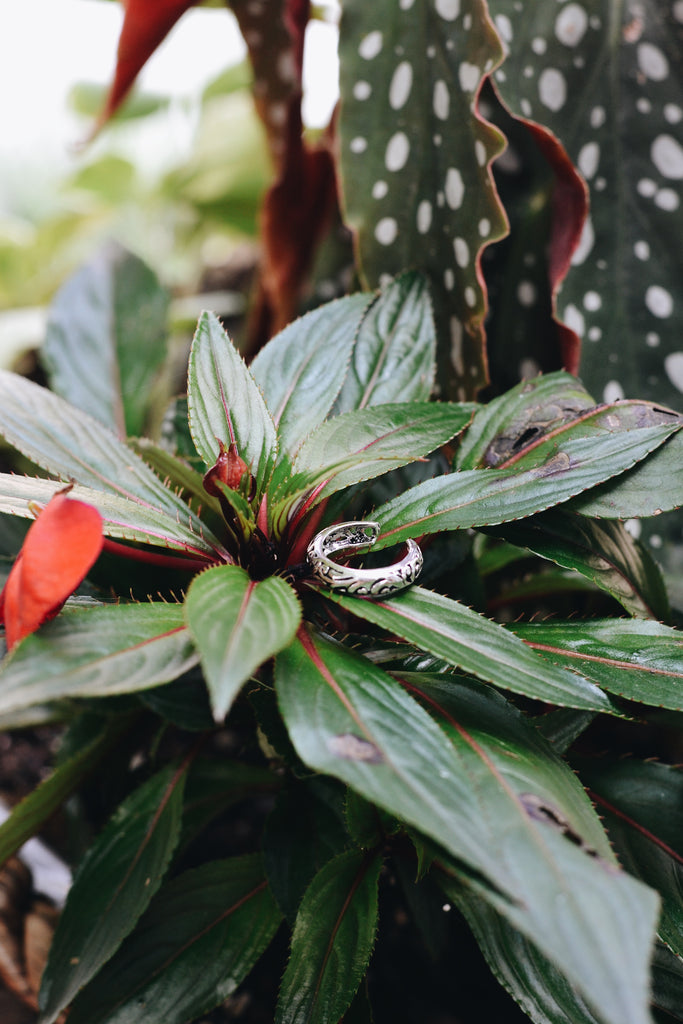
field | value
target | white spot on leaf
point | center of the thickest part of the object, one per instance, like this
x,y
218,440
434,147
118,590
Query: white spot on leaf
x,y
646,187
573,318
586,243
672,113
484,227
652,62
441,100
470,296
613,392
552,89
386,231
658,300
667,156
641,249
652,339
539,45
379,190
397,152
571,24
456,346
673,364
455,188
370,45
362,90
448,9
667,199
424,216
592,301
598,117
462,252
480,152
358,145
468,76
401,84
526,293
588,159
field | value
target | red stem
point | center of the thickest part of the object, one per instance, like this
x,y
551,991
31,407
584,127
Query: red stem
x,y
187,564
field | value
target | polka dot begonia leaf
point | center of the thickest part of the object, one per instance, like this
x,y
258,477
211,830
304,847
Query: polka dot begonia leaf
x,y
415,159
605,78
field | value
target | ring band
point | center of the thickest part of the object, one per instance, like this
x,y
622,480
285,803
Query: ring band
x,y
362,582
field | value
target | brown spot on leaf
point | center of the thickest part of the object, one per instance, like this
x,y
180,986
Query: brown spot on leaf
x,y
542,810
354,748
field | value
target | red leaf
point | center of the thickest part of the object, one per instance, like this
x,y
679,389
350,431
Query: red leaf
x,y
59,550
145,25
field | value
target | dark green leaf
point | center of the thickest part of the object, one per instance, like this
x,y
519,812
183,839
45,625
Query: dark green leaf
x,y
200,937
214,785
604,80
536,985
393,359
237,625
486,497
523,414
113,887
301,370
365,443
72,445
571,901
129,520
602,551
522,823
667,981
304,831
332,941
655,485
637,659
97,651
225,404
415,159
28,816
106,339
471,642
642,805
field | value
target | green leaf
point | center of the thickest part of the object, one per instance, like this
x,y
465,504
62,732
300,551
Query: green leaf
x,y
605,82
636,659
571,901
238,624
200,937
113,886
667,981
415,157
106,339
469,641
27,817
301,370
178,473
522,823
72,445
642,806
97,652
332,941
604,552
393,359
486,497
365,443
655,485
303,832
225,404
129,520
214,785
536,985
520,416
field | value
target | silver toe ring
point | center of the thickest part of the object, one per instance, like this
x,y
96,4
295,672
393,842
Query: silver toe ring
x,y
362,582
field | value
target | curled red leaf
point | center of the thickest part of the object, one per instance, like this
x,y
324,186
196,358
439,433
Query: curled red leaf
x,y
59,550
